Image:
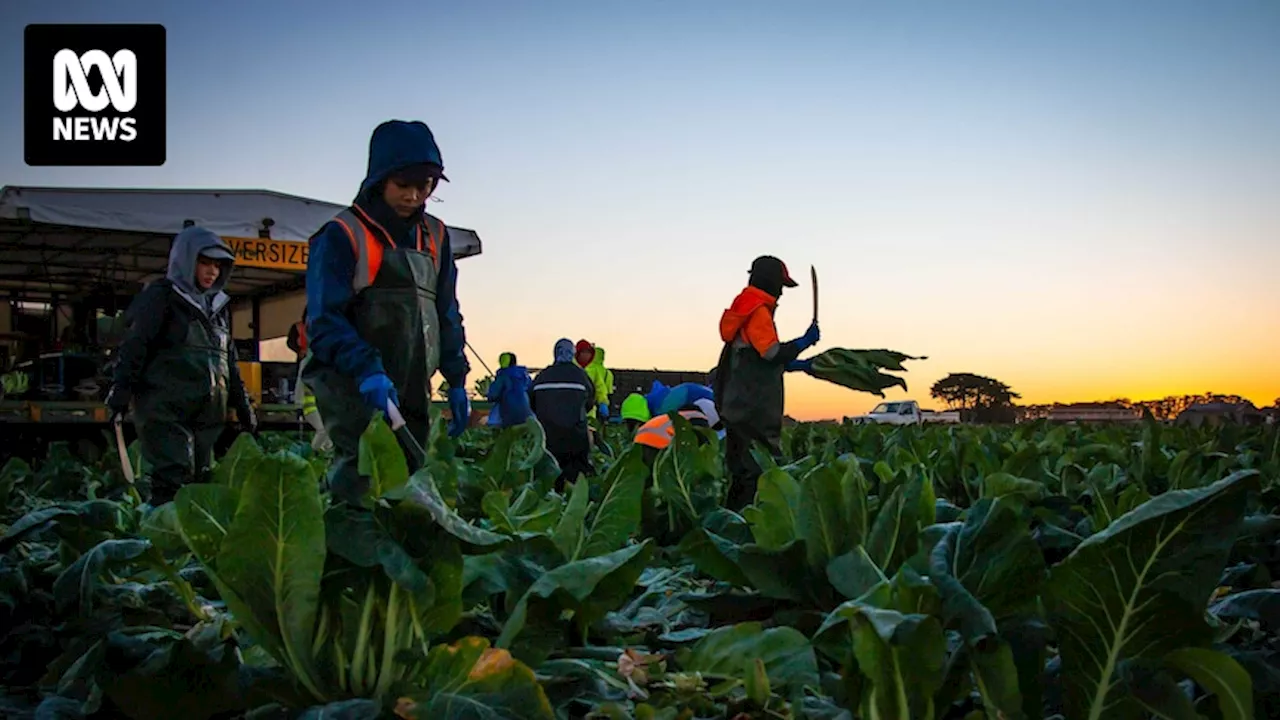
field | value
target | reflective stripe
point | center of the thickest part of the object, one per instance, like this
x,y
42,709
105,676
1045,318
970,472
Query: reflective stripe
x,y
368,246
561,386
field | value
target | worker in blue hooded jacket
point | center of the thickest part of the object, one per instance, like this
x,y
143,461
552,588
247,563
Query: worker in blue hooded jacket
x,y
663,399
509,391
382,308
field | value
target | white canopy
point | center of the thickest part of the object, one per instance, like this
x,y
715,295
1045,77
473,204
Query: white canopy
x,y
231,213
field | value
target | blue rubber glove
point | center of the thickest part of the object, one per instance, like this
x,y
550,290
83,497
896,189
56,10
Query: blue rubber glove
x,y
799,365
460,409
378,392
604,411
810,337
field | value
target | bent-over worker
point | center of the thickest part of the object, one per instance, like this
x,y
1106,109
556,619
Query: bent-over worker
x,y
749,388
382,306
635,411
177,363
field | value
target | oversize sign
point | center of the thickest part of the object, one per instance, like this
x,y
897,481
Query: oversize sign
x,y
95,95
270,254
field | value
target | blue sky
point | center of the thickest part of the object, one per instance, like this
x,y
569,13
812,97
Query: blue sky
x,y
1079,198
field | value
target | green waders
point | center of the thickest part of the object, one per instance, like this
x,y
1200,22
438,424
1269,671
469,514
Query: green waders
x,y
183,409
396,314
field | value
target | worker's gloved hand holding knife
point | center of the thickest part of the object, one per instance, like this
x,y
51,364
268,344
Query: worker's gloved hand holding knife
x,y
379,393
414,452
812,335
118,402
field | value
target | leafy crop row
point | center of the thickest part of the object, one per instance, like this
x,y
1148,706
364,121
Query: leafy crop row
x,y
935,572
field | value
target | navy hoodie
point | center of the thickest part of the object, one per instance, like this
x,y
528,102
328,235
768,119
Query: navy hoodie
x,y
332,338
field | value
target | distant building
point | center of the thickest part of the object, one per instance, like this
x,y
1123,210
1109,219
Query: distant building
x,y
1221,413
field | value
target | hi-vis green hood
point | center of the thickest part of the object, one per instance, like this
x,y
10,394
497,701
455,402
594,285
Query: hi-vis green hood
x,y
600,376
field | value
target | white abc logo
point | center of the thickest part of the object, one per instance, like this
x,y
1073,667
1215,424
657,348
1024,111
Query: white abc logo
x,y
119,81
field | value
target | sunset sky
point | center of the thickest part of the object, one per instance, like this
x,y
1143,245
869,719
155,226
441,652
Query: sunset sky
x,y
1080,199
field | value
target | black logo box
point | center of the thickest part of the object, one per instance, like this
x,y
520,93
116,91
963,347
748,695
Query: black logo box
x,y
42,42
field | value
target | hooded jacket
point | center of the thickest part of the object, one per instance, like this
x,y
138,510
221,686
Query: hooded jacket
x,y
510,390
161,315
332,338
748,380
601,377
663,400
635,407
560,396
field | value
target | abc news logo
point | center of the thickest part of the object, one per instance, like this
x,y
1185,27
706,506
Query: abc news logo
x,y
95,95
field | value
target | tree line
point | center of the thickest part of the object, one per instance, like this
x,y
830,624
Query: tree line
x,y
984,399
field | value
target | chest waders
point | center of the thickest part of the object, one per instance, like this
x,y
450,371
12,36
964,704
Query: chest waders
x,y
181,408
394,310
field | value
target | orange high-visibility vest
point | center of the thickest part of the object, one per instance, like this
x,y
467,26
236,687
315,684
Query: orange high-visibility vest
x,y
657,433
368,246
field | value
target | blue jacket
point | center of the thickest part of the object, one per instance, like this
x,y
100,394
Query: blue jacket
x,y
332,263
663,400
510,390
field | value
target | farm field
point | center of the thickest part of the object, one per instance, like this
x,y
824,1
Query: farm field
x,y
1031,571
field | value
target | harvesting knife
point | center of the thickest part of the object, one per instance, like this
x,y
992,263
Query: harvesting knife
x,y
123,450
813,275
413,449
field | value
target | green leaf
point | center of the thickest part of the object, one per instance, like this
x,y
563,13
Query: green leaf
x,y
993,556
382,460
1003,483
618,516
205,512
589,588
1156,691
678,472
1139,589
358,709
162,528
469,679
439,611
714,556
568,535
787,654
75,585
996,677
238,463
853,574
823,518
773,515
902,656
422,495
273,558
1219,674
856,491
860,369
355,535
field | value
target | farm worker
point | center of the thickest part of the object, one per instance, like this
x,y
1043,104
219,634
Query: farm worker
x,y
302,394
560,397
177,363
635,411
749,389
656,434
663,399
509,391
591,358
382,308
